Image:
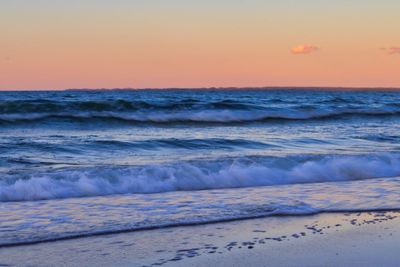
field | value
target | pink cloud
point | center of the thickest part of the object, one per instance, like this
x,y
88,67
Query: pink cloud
x,y
304,49
392,50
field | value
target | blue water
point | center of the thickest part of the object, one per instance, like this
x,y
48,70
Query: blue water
x,y
76,163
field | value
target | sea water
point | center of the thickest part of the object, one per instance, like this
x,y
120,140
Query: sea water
x,y
83,162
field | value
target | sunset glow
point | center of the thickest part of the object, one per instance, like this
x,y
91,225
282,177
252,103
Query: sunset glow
x,y
50,44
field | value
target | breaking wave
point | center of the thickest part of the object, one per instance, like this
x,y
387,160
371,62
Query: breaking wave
x,y
200,175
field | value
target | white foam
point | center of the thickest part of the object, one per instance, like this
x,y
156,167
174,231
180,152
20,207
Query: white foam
x,y
98,181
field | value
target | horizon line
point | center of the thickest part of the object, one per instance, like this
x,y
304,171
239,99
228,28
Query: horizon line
x,y
336,88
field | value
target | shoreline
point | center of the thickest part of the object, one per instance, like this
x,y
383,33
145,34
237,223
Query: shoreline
x,y
189,224
332,239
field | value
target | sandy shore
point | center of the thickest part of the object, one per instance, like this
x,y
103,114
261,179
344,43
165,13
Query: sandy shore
x,y
330,239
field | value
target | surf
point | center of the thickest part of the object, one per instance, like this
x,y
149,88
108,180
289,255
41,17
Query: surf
x,y
191,176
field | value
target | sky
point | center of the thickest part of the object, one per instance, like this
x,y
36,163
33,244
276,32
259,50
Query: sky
x,y
61,44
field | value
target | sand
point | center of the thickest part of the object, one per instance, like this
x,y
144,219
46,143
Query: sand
x,y
328,239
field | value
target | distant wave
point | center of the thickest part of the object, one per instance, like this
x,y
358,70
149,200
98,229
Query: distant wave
x,y
234,173
207,116
49,106
190,110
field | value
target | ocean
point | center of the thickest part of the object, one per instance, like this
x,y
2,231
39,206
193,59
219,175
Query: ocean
x,y
83,162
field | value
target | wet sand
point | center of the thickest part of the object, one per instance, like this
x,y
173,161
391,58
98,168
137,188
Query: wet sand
x,y
328,239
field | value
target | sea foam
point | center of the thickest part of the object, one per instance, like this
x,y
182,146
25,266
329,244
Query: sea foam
x,y
230,173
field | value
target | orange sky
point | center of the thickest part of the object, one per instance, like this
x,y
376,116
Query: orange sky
x,y
54,44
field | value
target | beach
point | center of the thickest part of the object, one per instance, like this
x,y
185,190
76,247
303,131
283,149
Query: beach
x,y
327,239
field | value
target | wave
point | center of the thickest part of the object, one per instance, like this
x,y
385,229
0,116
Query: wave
x,y
175,108
48,106
243,212
76,147
210,143
206,116
227,213
201,175
91,216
